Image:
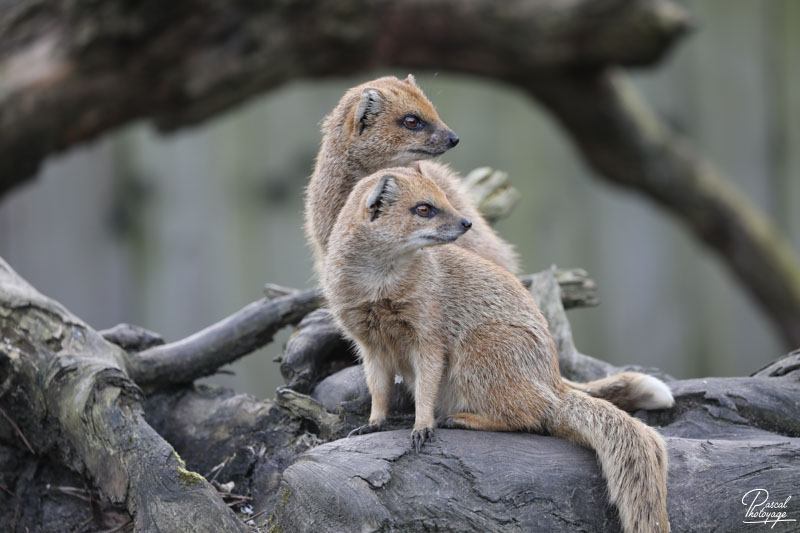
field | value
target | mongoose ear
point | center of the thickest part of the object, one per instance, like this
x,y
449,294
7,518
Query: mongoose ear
x,y
411,80
380,195
370,105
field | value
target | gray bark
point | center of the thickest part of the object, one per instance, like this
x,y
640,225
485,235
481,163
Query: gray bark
x,y
477,481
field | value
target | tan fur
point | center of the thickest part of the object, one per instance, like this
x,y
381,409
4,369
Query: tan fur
x,y
353,148
468,339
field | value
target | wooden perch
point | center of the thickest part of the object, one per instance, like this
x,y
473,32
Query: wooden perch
x,y
479,481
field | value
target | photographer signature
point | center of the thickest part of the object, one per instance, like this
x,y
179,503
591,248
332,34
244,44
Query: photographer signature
x,y
762,511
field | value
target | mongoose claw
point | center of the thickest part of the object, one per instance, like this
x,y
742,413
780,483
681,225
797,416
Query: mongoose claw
x,y
418,438
366,428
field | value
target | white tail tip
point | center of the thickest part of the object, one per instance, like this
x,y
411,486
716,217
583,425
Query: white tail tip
x,y
652,393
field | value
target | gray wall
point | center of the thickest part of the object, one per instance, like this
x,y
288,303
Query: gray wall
x,y
173,232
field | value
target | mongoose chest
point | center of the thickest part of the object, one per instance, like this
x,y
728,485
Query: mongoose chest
x,y
388,323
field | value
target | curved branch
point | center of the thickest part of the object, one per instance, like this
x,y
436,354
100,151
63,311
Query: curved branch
x,y
625,143
70,71
237,335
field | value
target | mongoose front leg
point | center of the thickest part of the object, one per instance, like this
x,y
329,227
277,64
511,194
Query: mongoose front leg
x,y
428,374
379,382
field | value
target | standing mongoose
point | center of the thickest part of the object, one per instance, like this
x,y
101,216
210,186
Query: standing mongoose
x,y
389,122
468,340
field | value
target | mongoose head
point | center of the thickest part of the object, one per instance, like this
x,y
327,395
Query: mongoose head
x,y
403,208
388,122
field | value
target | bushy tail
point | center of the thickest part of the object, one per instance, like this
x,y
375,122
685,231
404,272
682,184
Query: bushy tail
x,y
629,391
632,456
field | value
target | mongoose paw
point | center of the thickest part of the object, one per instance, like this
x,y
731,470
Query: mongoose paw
x,y
418,438
366,428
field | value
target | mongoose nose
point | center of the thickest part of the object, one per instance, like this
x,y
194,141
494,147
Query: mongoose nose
x,y
453,139
466,224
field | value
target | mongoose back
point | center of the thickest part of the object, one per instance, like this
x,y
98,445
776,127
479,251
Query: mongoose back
x,y
468,339
389,122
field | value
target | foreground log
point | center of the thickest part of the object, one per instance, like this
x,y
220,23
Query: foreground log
x,y
67,390
480,481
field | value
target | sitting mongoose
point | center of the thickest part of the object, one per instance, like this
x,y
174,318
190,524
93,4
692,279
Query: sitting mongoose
x,y
389,122
468,339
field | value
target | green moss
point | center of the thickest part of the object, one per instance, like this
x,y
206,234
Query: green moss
x,y
285,498
187,476
181,463
190,478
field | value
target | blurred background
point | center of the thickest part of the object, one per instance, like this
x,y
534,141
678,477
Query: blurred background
x,y
175,232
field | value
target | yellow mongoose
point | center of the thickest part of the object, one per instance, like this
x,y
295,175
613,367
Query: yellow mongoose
x,y
389,122
468,339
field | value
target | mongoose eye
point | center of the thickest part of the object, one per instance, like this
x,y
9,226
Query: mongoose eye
x,y
425,210
411,122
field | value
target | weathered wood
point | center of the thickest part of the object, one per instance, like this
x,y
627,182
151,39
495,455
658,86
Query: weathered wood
x,y
491,192
481,481
68,392
725,436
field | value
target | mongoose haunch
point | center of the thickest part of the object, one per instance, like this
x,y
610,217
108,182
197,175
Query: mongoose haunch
x,y
389,122
468,340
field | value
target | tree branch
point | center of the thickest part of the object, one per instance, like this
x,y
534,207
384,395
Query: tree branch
x,y
626,144
70,71
202,353
318,344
